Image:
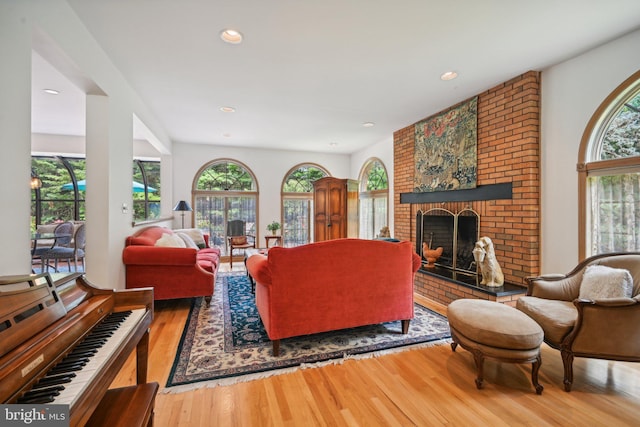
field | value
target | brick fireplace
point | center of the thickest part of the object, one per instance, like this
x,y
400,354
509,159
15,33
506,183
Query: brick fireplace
x,y
508,157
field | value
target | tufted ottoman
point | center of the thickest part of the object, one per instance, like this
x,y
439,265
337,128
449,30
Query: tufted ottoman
x,y
491,329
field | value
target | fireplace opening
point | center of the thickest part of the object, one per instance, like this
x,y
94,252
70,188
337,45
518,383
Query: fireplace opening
x,y
455,233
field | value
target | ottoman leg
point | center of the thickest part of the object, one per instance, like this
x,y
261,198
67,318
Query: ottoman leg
x,y
479,358
535,367
454,341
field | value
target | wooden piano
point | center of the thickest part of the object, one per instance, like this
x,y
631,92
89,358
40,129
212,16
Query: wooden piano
x,y
65,342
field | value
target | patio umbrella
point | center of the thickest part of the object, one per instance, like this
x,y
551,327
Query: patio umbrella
x,y
82,184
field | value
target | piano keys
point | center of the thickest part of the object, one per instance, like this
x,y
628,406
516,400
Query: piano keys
x,y
65,344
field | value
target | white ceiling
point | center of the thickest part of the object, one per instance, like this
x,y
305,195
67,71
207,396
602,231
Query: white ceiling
x,y
310,73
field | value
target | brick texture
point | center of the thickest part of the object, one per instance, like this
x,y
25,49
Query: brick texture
x,y
508,151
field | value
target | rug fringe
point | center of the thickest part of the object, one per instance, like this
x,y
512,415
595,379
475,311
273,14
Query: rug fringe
x,y
261,375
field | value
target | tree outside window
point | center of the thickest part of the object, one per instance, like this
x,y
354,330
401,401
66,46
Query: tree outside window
x,y
146,190
53,201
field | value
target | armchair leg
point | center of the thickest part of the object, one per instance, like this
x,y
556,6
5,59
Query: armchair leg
x,y
276,348
567,361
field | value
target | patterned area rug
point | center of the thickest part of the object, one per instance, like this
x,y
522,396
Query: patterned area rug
x,y
226,342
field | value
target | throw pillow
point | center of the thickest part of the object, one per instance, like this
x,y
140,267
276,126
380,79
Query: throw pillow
x,y
195,234
600,281
170,241
187,240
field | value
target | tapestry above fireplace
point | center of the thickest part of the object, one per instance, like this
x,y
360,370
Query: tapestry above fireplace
x,y
445,154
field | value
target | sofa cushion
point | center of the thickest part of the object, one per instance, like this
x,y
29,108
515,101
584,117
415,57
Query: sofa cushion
x,y
557,318
196,235
188,241
600,281
170,241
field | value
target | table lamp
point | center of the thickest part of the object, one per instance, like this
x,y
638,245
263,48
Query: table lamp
x,y
183,207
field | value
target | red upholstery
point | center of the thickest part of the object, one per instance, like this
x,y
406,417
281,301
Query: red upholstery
x,y
172,272
333,285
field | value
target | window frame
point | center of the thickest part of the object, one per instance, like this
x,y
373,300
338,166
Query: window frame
x,y
299,195
371,194
589,144
226,195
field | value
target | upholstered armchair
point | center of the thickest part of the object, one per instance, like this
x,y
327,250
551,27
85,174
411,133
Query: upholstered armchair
x,y
593,311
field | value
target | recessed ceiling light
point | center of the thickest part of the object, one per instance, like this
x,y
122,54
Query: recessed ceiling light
x,y
51,91
449,75
333,144
227,109
231,36
368,124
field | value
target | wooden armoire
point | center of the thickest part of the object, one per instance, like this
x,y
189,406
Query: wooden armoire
x,y
335,205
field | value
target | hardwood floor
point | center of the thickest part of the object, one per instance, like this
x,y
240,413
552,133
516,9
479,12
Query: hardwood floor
x,y
431,386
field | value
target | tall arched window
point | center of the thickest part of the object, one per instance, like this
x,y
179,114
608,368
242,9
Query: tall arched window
x,y
224,190
609,167
374,198
297,203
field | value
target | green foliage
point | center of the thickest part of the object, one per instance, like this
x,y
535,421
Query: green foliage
x,y
274,226
56,203
622,136
301,180
225,176
376,177
149,208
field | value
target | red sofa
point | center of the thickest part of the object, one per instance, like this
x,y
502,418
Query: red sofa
x,y
173,272
335,284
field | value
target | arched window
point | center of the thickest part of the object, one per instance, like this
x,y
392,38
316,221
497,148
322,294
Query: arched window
x,y
609,167
374,198
297,203
224,190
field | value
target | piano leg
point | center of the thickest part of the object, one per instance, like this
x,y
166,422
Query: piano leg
x,y
142,357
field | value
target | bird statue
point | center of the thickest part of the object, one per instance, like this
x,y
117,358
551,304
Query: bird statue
x,y
431,255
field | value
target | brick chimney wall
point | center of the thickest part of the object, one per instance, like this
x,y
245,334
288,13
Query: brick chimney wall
x,y
508,151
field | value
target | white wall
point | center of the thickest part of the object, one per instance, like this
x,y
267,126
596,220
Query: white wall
x,y
269,167
571,93
54,29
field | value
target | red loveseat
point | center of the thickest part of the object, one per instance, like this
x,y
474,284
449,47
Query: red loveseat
x,y
173,272
331,285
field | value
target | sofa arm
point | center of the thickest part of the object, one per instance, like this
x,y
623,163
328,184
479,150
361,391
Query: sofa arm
x,y
607,327
153,255
258,268
417,262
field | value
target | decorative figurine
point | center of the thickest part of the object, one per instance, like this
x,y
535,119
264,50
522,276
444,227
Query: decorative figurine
x,y
485,257
431,255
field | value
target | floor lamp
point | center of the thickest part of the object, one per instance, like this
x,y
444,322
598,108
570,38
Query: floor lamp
x,y
183,207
